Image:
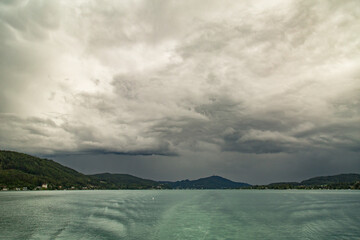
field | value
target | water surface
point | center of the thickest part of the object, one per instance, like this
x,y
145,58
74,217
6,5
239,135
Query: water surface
x,y
180,214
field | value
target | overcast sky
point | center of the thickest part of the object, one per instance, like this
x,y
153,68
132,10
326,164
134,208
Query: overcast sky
x,y
255,91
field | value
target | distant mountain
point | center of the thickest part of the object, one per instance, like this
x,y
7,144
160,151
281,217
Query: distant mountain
x,y
213,182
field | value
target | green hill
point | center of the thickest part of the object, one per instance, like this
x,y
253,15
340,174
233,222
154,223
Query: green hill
x,y
22,170
18,170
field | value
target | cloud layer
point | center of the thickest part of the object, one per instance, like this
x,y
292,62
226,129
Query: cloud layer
x,y
173,77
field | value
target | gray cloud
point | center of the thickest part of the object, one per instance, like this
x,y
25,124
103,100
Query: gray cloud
x,y
170,78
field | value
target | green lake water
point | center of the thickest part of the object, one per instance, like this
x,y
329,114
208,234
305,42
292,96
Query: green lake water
x,y
180,214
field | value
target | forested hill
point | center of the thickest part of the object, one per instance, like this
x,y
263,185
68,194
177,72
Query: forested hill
x,y
22,170
19,170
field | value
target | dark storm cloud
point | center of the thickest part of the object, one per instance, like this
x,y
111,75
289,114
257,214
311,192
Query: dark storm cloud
x,y
254,169
181,78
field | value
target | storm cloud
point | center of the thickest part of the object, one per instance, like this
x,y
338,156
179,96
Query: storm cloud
x,y
237,80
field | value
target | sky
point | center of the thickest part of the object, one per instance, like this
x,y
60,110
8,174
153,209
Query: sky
x,y
255,91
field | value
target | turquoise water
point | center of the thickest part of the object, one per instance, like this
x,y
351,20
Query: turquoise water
x,y
180,214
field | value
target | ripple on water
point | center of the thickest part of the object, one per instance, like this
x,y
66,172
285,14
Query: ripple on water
x,y
110,226
180,215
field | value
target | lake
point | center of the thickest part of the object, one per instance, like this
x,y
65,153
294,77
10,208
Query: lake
x,y
180,214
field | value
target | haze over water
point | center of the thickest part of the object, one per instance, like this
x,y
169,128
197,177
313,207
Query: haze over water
x,y
180,214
